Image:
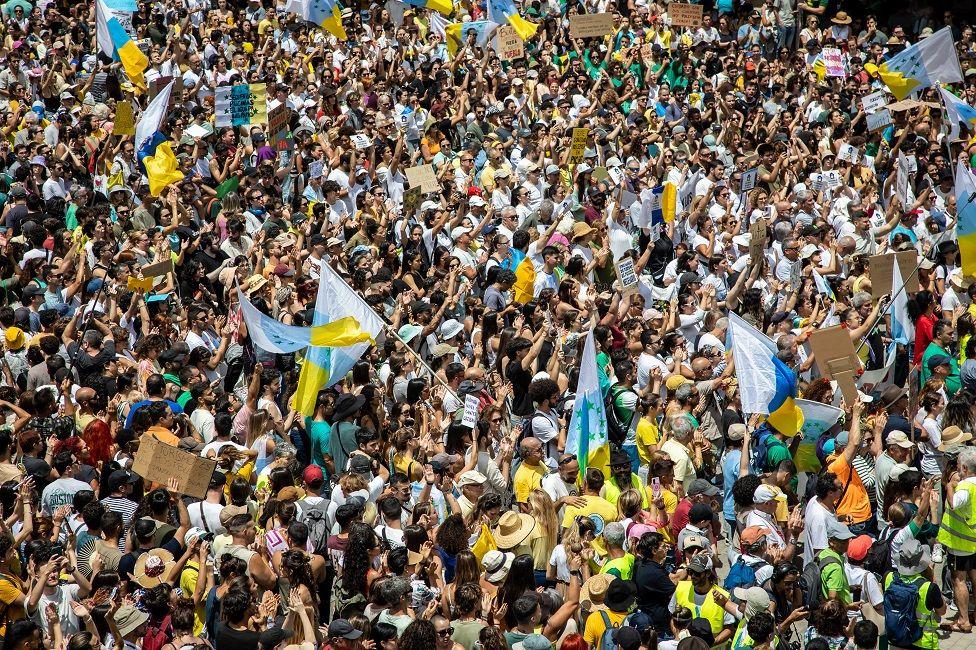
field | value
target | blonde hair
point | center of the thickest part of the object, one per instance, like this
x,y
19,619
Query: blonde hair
x,y
257,426
629,504
543,510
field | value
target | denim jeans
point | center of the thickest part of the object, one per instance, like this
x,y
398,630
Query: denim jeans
x,y
785,37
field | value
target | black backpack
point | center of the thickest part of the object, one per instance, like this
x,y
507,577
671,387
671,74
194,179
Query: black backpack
x,y
617,426
878,559
813,579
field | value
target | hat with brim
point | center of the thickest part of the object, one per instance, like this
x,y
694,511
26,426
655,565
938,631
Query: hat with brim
x,y
408,332
347,405
152,567
953,435
621,595
594,590
913,558
755,598
513,528
497,564
841,18
892,394
581,229
128,619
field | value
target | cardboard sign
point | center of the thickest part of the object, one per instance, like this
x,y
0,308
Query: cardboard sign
x,y
600,174
881,271
411,201
834,62
836,358
685,15
157,84
125,123
626,274
879,119
749,179
590,25
278,117
874,102
579,145
758,233
157,462
423,176
849,153
157,269
508,45
470,416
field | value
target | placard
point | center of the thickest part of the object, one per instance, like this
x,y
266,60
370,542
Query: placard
x,y
589,25
423,176
874,102
685,15
834,62
849,153
470,416
829,180
157,269
508,44
749,179
411,201
279,116
758,234
647,52
626,274
125,123
836,358
579,145
361,141
142,285
879,119
881,271
157,462
902,180
160,82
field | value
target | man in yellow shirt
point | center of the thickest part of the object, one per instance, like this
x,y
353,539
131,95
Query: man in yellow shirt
x,y
530,473
620,597
596,506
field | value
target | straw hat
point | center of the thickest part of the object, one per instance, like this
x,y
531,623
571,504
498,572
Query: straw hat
x,y
152,567
594,590
841,18
954,436
513,528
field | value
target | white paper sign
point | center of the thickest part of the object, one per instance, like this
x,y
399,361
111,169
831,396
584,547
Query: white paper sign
x,y
470,416
879,120
874,102
749,179
848,152
361,140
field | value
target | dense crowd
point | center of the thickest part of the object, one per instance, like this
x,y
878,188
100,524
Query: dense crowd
x,y
605,215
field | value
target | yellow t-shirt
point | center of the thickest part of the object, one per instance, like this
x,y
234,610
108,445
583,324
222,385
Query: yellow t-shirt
x,y
594,506
528,478
595,627
188,583
11,586
647,435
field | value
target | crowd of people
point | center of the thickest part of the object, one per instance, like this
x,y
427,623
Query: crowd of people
x,y
435,495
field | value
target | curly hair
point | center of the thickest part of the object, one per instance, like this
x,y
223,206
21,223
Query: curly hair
x,y
356,561
419,635
298,568
452,535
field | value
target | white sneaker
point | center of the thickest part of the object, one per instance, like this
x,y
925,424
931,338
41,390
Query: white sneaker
x,y
938,554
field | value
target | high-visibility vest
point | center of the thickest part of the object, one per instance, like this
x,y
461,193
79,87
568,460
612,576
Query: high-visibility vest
x,y
958,529
709,610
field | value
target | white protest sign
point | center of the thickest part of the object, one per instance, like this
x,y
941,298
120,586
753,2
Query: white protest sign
x,y
874,102
848,152
879,119
470,416
361,140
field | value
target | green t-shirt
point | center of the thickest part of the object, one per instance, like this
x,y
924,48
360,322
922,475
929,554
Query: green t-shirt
x,y
833,577
318,435
778,452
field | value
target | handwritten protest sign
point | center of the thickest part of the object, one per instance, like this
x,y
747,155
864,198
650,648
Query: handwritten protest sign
x,y
685,15
423,176
879,119
157,462
834,62
882,268
589,25
125,123
874,102
578,147
508,44
278,117
241,104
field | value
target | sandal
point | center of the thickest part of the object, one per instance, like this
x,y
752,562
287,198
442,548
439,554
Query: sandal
x,y
957,626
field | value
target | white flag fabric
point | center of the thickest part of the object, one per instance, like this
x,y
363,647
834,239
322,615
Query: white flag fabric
x,y
957,111
153,117
587,434
336,300
902,329
752,352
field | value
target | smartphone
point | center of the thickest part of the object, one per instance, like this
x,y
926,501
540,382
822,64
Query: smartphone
x,y
656,487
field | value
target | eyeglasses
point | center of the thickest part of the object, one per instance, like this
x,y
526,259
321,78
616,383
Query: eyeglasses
x,y
445,632
496,420
567,460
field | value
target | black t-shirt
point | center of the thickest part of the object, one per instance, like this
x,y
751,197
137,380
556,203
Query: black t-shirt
x,y
228,637
654,590
520,383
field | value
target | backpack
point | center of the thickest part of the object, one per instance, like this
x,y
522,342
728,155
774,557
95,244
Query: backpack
x,y
617,427
316,518
761,445
813,579
606,641
742,574
157,637
901,619
878,559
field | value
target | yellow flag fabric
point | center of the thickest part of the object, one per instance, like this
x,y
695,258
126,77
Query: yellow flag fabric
x,y
524,286
162,169
523,27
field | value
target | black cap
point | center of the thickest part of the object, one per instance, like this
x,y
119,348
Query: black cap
x,y
627,638
120,477
340,628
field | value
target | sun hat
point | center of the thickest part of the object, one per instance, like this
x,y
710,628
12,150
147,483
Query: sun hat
x,y
128,618
513,528
953,435
857,550
594,590
913,558
496,565
152,567
621,595
15,338
755,598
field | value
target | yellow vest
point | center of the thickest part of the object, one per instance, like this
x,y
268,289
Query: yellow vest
x,y
958,530
926,617
709,610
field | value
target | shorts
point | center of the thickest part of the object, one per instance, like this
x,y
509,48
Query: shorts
x,y
961,562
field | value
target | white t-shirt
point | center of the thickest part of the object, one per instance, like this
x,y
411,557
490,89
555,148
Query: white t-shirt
x,y
211,512
815,519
